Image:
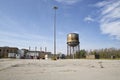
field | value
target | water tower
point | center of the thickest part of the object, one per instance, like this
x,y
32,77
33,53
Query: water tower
x,y
72,44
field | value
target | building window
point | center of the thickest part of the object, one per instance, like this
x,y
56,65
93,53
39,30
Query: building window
x,y
11,51
3,50
7,50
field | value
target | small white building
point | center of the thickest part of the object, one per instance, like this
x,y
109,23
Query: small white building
x,y
32,54
20,53
18,56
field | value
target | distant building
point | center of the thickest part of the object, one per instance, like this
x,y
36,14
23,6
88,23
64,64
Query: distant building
x,y
92,56
32,54
6,52
38,54
14,52
21,53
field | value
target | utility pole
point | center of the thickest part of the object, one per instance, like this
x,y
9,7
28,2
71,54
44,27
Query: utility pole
x,y
55,8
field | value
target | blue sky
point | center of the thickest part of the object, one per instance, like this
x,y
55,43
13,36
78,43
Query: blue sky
x,y
25,23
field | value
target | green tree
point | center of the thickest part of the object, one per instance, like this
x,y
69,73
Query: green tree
x,y
80,54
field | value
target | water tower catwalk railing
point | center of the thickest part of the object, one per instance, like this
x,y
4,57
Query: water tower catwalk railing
x,y
72,45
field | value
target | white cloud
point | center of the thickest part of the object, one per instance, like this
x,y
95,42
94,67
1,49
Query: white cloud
x,y
88,19
68,1
110,17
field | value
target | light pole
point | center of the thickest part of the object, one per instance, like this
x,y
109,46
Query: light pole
x,y
55,8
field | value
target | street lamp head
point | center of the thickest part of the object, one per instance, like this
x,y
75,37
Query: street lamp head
x,y
55,7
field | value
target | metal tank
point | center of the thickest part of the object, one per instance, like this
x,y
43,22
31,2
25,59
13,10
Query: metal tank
x,y
73,39
72,45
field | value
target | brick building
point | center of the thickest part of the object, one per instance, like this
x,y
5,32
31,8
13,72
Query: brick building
x,y
5,50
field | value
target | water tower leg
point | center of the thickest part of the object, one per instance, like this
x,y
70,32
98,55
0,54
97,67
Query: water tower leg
x,y
70,52
76,50
79,47
73,53
79,50
67,51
